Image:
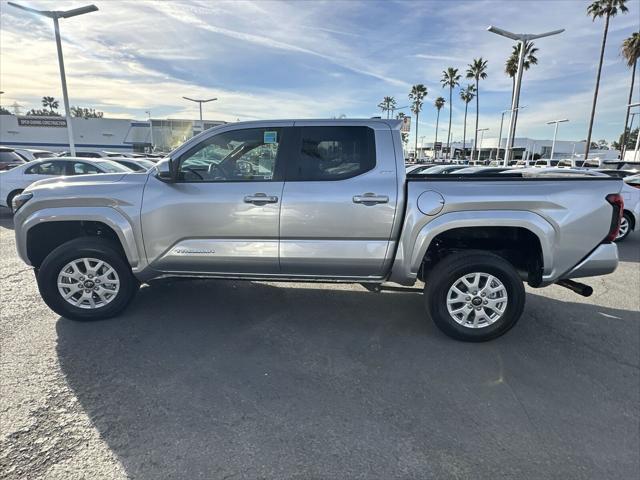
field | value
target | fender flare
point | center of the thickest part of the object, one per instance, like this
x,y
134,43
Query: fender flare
x,y
107,215
414,248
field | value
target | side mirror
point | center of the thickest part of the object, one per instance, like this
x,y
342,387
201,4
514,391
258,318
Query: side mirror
x,y
166,171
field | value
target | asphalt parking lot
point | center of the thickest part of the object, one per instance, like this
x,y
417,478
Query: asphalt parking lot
x,y
235,380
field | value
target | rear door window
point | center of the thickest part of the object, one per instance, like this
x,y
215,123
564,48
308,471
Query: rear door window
x,y
47,168
82,168
10,157
332,153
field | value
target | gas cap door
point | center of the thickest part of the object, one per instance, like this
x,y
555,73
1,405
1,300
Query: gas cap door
x,y
430,202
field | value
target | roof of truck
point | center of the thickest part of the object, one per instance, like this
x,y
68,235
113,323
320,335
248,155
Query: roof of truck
x,y
391,123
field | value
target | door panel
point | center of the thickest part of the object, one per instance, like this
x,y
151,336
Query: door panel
x,y
208,227
222,216
329,228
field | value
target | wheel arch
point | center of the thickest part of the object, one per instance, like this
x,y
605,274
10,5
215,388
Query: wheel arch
x,y
46,229
413,251
11,194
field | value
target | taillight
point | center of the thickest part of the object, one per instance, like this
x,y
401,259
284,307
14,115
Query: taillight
x,y
617,202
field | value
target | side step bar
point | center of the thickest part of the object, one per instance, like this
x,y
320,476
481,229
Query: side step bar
x,y
377,287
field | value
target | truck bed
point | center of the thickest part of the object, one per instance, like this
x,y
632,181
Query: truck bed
x,y
569,214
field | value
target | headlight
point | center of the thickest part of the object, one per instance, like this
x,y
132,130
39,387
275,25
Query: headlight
x,y
20,200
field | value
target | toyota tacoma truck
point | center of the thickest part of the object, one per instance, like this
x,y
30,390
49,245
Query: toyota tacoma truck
x,y
324,201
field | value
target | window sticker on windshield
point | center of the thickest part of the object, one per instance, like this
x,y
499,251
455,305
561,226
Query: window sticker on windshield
x,y
270,137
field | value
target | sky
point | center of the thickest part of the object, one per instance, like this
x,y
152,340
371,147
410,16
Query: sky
x,y
318,59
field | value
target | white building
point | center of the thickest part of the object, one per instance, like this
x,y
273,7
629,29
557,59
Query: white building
x,y
112,134
523,148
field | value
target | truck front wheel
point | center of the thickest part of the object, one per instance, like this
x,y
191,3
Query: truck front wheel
x,y
474,296
86,279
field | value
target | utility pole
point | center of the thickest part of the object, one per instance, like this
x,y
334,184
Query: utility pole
x,y
55,15
522,39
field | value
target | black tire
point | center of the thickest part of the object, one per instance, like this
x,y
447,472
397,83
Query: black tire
x,y
11,197
629,219
446,273
85,247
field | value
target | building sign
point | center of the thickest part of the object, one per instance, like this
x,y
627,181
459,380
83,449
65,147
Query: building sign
x,y
42,122
406,125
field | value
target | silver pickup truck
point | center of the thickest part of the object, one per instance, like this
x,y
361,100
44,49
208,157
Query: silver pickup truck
x,y
317,200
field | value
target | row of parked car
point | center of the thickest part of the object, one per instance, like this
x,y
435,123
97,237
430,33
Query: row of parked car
x,y
630,175
20,167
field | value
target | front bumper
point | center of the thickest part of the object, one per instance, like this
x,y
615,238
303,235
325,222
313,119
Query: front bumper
x,y
602,261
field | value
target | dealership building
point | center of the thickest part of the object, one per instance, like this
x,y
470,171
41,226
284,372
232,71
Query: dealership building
x,y
523,148
111,134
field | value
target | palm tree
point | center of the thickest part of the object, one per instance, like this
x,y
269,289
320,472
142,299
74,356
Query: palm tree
x,y
439,103
388,104
450,78
466,94
405,135
50,103
598,9
477,70
417,95
631,53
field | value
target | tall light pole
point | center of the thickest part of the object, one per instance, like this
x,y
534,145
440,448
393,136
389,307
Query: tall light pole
x,y
522,39
55,15
481,130
200,102
555,134
148,112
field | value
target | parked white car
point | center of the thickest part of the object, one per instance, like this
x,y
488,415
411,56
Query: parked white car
x,y
631,217
95,154
14,181
30,154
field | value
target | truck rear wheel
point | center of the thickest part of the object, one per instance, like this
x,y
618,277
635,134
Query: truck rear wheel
x,y
474,296
86,279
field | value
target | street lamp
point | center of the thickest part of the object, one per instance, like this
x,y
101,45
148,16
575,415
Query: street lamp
x,y
481,130
555,133
623,152
200,102
623,147
522,39
393,110
55,15
148,112
500,134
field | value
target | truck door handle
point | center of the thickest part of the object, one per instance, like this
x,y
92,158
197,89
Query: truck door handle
x,y
260,199
370,199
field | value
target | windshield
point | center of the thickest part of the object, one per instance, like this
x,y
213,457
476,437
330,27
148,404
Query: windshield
x,y
112,167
